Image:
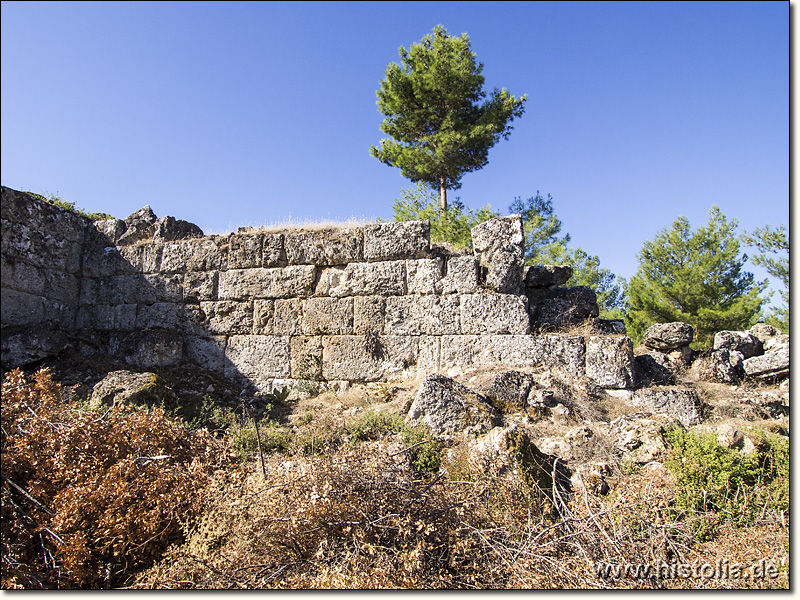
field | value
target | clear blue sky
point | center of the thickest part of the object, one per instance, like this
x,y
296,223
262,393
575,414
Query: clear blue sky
x,y
232,114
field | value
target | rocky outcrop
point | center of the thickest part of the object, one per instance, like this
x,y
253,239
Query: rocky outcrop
x,y
666,337
128,387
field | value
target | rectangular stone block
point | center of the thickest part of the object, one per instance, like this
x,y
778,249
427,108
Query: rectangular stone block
x,y
609,361
206,352
396,240
257,358
430,349
20,308
199,254
198,287
327,316
146,349
161,315
144,258
368,314
287,317
461,275
306,352
24,208
227,317
245,251
263,312
120,289
104,262
120,317
22,276
286,282
494,313
417,315
168,288
272,250
324,247
40,248
424,275
363,279
362,358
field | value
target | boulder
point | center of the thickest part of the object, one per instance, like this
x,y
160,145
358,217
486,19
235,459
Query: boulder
x,y
763,332
138,226
498,245
745,343
666,337
128,387
654,368
509,390
773,364
448,408
168,229
779,342
722,366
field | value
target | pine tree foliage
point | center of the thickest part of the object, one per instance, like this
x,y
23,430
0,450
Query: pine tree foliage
x,y
436,114
773,255
695,277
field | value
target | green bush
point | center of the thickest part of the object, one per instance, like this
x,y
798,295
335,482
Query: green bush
x,y
723,485
427,457
373,425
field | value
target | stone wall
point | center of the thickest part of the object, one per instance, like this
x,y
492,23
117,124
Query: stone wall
x,y
365,303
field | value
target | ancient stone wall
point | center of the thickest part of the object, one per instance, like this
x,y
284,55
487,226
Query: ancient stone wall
x,y
363,303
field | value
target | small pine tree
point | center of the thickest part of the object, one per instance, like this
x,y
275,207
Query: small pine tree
x,y
694,277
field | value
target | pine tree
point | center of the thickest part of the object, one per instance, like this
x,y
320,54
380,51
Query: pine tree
x,y
694,277
432,103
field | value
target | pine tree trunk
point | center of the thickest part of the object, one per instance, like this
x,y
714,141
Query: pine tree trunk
x,y
443,194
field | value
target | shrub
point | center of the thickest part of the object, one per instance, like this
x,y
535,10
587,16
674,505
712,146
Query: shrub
x,y
88,498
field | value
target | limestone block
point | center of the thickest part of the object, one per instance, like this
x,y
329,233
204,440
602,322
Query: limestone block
x,y
722,366
329,316
565,306
168,288
368,314
364,279
120,289
139,226
325,247
40,248
227,317
546,276
168,229
772,363
33,343
22,276
415,315
740,341
461,276
144,258
161,315
494,313
245,251
400,239
447,408
510,389
257,358
655,368
609,361
362,358
763,332
779,342
105,232
424,276
63,224
199,286
102,262
430,347
147,349
286,282
20,308
263,314
202,254
120,317
206,352
666,337
287,317
498,245
306,356
678,402
272,250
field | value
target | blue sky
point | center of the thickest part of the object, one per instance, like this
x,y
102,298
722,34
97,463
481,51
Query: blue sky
x,y
234,114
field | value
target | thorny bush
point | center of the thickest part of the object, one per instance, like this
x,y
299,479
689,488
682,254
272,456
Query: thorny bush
x,y
89,498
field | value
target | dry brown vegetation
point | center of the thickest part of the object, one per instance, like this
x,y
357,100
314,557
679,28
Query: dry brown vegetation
x,y
89,500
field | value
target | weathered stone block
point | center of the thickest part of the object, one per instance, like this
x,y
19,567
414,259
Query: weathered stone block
x,y
206,352
324,247
666,337
771,363
306,353
364,279
201,254
147,349
494,313
33,343
360,358
328,316
20,308
287,317
120,289
722,366
565,306
120,317
461,276
609,361
546,276
42,216
227,317
263,314
272,250
430,349
245,251
401,239
104,262
168,229
168,288
415,315
145,258
368,314
424,276
22,276
105,232
679,402
257,357
161,315
498,245
199,286
286,282
40,248
740,341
